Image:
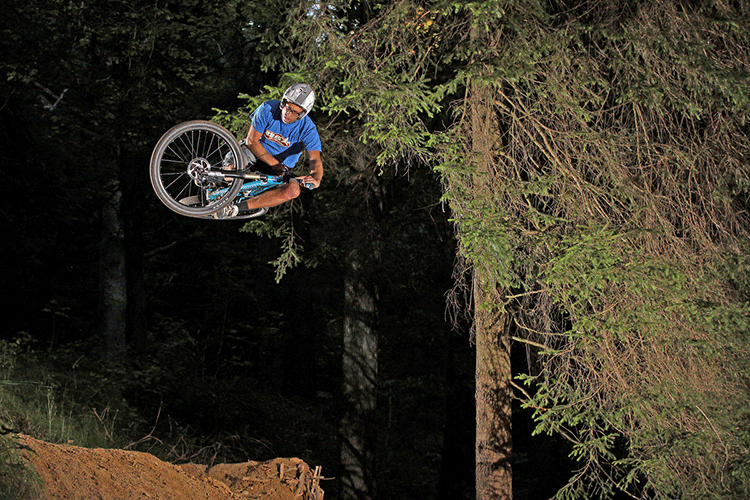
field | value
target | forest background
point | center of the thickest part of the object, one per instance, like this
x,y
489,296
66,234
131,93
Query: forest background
x,y
540,204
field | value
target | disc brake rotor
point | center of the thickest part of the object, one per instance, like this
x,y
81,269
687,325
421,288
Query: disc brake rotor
x,y
198,169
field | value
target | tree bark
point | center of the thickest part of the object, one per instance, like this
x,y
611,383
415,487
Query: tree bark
x,y
493,370
360,367
112,280
493,397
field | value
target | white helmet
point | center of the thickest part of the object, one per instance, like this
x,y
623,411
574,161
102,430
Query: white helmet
x,y
300,94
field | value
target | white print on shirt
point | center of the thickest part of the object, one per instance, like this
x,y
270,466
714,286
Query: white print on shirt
x,y
277,138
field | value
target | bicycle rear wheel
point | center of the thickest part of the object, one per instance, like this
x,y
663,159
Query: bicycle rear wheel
x,y
185,167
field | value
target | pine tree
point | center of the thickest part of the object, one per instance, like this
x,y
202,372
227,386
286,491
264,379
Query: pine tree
x,y
616,227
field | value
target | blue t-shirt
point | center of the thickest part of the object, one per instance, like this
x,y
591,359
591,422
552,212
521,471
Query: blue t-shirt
x,y
285,141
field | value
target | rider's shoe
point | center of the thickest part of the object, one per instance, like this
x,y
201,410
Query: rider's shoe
x,y
227,212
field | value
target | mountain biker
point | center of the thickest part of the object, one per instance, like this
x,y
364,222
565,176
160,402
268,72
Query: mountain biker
x,y
279,132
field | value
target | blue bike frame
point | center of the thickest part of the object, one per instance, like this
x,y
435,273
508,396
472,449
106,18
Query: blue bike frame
x,y
258,184
250,188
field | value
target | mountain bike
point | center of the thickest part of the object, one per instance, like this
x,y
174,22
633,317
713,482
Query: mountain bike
x,y
198,169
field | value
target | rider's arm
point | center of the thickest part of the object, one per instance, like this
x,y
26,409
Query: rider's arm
x,y
253,142
316,166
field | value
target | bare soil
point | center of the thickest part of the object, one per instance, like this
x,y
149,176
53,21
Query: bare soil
x,y
72,473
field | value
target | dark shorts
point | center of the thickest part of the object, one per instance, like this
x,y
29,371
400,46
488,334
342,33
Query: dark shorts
x,y
250,159
251,162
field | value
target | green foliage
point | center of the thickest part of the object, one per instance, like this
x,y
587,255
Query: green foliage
x,y
378,75
280,225
638,353
238,121
36,399
17,482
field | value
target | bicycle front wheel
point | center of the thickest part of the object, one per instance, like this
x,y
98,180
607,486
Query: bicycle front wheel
x,y
185,164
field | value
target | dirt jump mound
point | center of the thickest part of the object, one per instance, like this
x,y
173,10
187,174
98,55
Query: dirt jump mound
x,y
72,473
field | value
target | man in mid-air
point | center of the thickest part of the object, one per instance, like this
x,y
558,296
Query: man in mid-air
x,y
279,132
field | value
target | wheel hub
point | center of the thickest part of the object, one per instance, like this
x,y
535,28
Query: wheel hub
x,y
198,169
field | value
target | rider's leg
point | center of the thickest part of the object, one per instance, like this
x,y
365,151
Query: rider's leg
x,y
275,196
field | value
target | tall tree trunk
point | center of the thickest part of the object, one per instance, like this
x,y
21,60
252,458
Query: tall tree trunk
x,y
493,397
135,188
136,292
493,371
360,368
112,280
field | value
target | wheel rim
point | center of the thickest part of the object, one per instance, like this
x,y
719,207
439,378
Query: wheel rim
x,y
181,162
